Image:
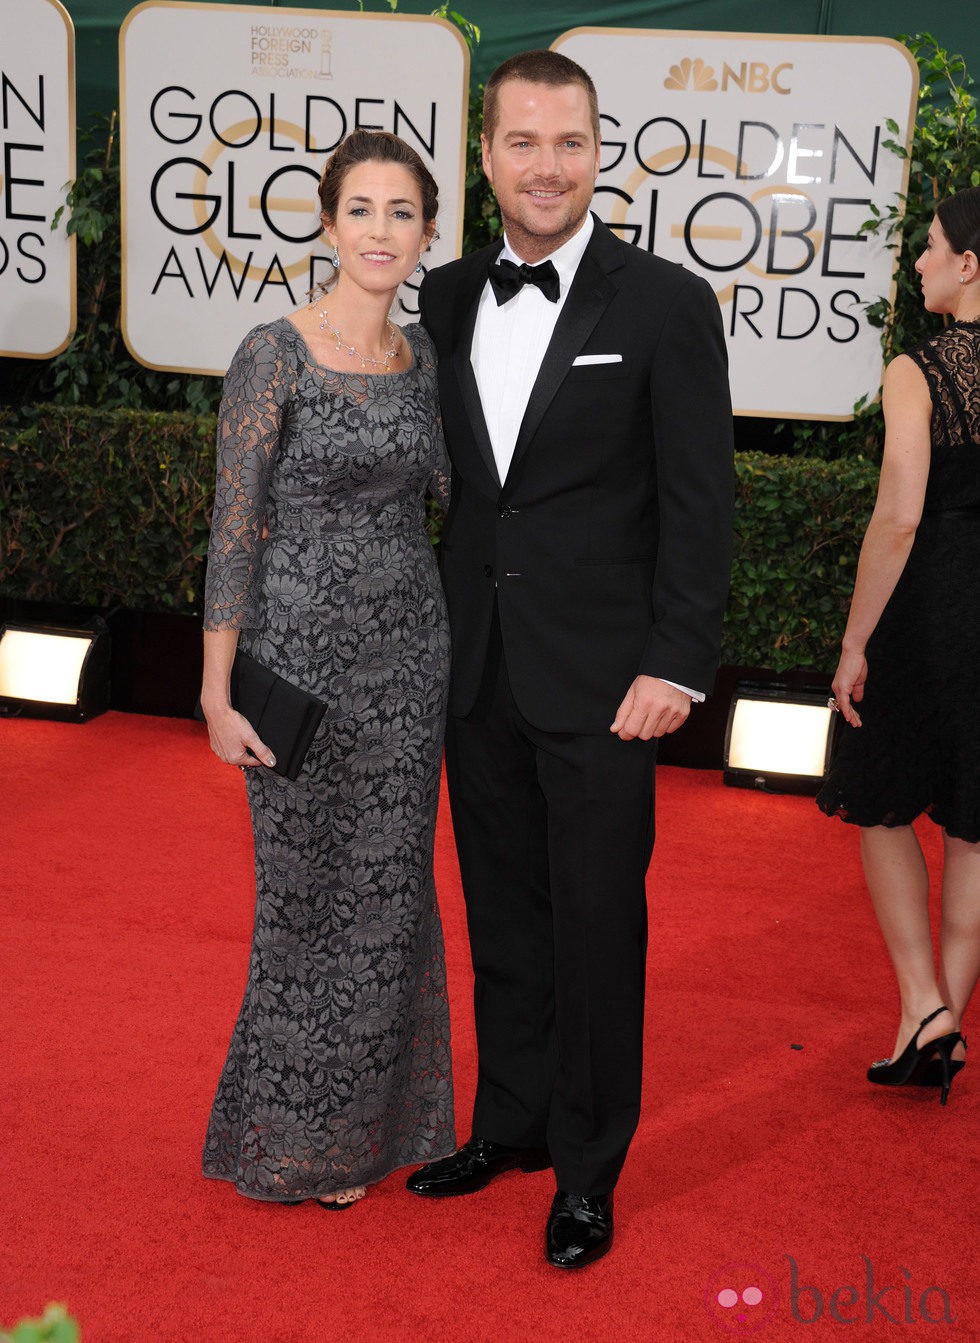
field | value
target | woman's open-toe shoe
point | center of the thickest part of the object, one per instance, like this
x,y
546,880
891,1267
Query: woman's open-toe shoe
x,y
919,1067
349,1196
340,1203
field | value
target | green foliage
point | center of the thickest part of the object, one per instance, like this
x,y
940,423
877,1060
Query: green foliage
x,y
798,529
56,1326
945,157
469,30
104,506
481,217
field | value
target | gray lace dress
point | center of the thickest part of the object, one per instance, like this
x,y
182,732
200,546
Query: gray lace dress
x,y
338,1070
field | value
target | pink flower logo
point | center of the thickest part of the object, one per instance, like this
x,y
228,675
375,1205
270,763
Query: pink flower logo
x,y
741,1297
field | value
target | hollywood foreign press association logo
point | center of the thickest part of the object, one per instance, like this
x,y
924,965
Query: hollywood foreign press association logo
x,y
290,51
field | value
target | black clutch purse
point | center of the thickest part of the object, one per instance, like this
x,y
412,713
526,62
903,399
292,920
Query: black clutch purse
x,y
284,716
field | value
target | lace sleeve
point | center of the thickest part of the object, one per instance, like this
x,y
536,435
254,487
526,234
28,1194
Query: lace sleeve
x,y
949,361
440,482
250,422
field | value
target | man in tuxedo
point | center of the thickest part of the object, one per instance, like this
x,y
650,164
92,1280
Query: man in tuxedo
x,y
586,559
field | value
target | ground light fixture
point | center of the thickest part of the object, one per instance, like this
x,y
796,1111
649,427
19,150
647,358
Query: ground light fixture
x,y
54,671
779,740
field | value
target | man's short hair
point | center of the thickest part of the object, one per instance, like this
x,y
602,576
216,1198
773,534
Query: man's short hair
x,y
537,67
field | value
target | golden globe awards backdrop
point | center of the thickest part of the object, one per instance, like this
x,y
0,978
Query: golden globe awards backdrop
x,y
37,159
754,160
228,114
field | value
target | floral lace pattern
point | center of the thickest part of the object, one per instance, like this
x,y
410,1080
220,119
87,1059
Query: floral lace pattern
x,y
338,1070
918,750
950,363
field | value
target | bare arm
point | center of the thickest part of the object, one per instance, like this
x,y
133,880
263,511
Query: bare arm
x,y
891,531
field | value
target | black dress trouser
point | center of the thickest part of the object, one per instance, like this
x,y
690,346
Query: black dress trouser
x,y
554,833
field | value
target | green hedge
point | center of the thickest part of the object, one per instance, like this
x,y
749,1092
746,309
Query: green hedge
x,y
104,506
798,528
98,507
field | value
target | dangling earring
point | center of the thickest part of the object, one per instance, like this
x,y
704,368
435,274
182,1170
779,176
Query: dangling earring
x,y
335,259
418,268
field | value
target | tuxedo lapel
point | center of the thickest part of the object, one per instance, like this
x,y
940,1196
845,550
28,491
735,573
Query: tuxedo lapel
x,y
467,305
590,295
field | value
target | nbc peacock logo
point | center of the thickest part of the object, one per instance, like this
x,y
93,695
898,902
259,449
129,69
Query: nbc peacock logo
x,y
688,74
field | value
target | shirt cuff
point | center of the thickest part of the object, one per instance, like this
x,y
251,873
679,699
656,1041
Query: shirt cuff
x,y
696,695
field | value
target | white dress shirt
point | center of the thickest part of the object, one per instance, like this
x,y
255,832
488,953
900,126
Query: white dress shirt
x,y
509,343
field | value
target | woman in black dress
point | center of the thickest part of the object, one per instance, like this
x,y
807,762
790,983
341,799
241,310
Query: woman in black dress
x,y
908,682
338,1070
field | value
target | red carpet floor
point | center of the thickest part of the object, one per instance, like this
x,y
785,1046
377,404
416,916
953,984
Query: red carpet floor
x,y
764,1160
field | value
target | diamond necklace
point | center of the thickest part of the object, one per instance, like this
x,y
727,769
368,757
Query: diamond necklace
x,y
343,348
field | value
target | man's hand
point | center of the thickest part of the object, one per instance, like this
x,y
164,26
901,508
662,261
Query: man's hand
x,y
652,708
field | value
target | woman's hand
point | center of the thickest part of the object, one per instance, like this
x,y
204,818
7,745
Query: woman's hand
x,y
234,740
849,679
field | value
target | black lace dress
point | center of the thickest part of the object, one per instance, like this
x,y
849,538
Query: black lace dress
x,y
918,750
338,1070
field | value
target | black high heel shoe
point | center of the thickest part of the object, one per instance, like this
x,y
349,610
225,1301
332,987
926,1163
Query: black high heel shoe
x,y
933,1071
915,1066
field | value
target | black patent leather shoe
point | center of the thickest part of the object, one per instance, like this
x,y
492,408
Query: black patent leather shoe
x,y
580,1229
473,1167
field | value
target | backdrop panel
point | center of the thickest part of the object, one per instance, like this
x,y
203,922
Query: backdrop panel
x,y
736,156
37,158
228,113
514,25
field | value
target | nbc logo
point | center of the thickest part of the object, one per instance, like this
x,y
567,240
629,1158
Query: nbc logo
x,y
748,76
690,74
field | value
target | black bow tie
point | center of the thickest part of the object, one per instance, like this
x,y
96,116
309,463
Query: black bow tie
x,y
507,279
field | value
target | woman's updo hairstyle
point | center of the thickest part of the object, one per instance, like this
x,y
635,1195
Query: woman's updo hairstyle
x,y
960,218
375,147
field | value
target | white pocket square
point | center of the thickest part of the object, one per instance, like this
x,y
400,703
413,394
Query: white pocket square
x,y
598,359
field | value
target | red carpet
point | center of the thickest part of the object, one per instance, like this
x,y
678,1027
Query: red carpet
x,y
124,924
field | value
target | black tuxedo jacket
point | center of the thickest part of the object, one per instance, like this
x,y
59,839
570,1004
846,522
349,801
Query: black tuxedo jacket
x,y
609,544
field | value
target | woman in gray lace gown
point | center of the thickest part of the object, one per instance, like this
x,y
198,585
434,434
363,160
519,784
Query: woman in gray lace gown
x,y
339,1066
908,682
